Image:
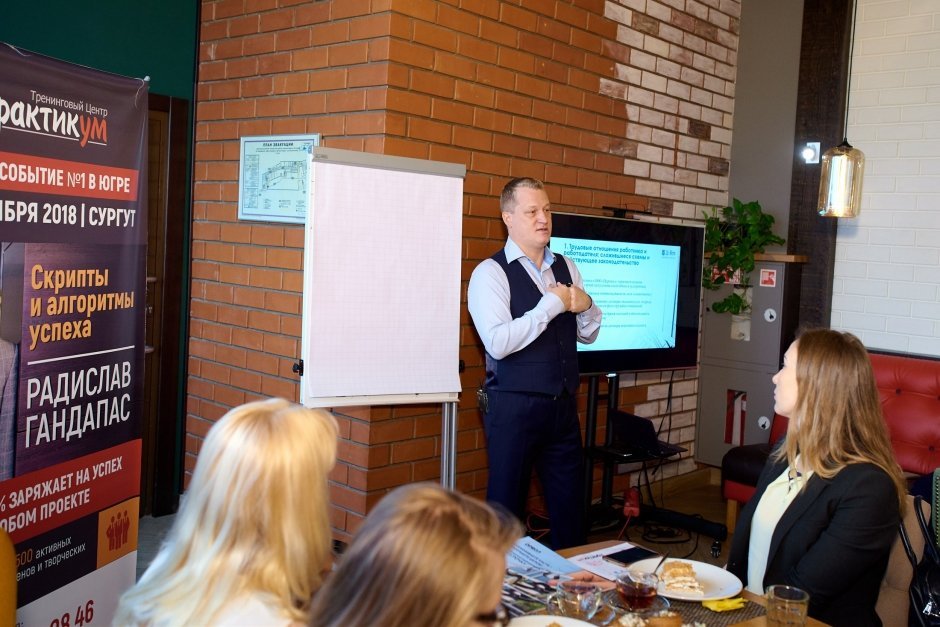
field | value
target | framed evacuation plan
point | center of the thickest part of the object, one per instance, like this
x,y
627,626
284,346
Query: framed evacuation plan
x,y
274,177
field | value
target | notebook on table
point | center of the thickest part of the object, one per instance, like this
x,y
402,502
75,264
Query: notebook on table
x,y
635,432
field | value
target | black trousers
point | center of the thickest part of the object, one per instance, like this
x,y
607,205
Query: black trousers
x,y
526,431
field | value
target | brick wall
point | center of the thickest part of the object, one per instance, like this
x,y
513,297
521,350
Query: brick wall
x,y
623,104
886,287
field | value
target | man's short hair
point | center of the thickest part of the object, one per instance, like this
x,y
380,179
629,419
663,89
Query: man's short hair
x,y
507,199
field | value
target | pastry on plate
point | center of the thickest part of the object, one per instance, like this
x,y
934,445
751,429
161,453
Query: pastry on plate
x,y
679,576
665,618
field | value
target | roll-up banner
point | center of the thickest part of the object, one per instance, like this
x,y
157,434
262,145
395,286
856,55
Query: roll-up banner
x,y
72,298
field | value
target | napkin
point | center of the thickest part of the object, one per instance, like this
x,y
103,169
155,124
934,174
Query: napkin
x,y
723,605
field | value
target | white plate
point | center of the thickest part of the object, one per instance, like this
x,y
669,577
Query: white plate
x,y
545,621
717,582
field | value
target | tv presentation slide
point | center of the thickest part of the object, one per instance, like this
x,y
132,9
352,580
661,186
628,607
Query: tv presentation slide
x,y
635,285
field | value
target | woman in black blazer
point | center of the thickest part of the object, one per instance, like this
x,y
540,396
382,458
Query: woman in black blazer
x,y
829,500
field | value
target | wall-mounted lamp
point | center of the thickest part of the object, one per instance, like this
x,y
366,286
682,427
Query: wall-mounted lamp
x,y
840,182
810,152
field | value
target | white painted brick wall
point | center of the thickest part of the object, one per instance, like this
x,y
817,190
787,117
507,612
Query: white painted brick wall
x,y
886,286
672,77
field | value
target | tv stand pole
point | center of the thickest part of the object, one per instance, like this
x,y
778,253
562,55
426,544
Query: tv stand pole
x,y
613,400
590,434
602,515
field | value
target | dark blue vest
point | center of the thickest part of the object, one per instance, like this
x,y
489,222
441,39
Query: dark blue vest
x,y
550,363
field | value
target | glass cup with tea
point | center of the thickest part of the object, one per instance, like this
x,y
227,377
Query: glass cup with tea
x,y
637,589
577,599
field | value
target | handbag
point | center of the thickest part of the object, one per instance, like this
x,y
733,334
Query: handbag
x,y
925,584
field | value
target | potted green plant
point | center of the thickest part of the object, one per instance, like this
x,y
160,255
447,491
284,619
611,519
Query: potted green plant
x,y
733,236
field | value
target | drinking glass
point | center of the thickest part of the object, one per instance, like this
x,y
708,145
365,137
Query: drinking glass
x,y
786,606
637,589
577,599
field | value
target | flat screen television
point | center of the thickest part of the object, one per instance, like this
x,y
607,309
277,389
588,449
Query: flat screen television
x,y
646,277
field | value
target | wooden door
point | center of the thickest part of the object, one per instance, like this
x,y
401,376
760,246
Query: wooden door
x,y
167,295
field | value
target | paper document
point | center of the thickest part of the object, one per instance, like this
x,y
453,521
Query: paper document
x,y
532,570
594,561
536,561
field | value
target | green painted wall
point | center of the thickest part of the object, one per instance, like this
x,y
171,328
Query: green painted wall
x,y
138,38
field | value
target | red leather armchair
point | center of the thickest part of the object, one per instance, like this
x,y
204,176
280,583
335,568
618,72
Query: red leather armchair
x,y
741,466
909,388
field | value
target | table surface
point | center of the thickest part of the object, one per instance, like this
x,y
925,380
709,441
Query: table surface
x,y
760,621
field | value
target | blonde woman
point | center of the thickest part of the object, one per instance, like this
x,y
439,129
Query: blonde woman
x,y
424,556
829,500
252,539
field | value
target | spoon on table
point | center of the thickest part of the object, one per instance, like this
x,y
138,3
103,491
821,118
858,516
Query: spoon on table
x,y
660,563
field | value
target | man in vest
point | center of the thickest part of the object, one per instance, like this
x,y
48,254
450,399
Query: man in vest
x,y
529,307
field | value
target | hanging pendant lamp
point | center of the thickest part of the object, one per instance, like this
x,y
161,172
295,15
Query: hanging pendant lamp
x,y
840,182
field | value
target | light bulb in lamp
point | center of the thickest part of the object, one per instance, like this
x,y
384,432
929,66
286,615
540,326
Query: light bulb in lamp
x,y
840,182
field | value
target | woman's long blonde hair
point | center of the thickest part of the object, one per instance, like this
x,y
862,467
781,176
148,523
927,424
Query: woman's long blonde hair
x,y
838,412
424,556
253,521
